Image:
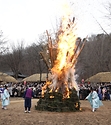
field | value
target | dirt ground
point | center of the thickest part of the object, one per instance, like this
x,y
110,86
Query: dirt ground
x,y
15,115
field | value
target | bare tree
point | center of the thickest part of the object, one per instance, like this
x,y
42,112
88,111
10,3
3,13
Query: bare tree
x,y
3,48
32,61
14,58
107,15
108,9
95,57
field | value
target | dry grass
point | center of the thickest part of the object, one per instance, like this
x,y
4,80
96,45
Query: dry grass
x,y
15,115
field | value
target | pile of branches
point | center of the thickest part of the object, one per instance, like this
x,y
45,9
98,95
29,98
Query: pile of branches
x,y
53,101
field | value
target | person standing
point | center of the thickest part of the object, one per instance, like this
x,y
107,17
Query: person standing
x,y
93,98
1,91
5,98
28,94
99,91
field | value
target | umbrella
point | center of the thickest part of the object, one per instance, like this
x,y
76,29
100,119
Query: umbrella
x,y
36,77
100,77
7,78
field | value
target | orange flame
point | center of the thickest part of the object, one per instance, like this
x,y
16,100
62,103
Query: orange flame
x,y
63,68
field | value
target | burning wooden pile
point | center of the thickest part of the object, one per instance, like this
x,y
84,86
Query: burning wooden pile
x,y
60,91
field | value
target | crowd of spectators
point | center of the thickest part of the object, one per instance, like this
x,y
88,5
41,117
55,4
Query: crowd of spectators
x,y
103,90
17,90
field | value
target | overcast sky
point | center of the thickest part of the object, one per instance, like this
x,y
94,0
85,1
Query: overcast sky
x,y
25,19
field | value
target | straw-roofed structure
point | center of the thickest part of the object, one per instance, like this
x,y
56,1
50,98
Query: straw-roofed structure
x,y
36,77
100,77
7,78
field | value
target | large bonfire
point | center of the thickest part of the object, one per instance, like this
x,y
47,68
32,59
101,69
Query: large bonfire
x,y
60,91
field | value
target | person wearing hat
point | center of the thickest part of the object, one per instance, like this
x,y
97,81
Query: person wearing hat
x,y
93,98
5,98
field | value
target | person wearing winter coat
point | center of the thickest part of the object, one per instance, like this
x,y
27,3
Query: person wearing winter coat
x,y
28,94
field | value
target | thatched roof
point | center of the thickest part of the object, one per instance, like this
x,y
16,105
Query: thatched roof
x,y
100,77
7,78
36,77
